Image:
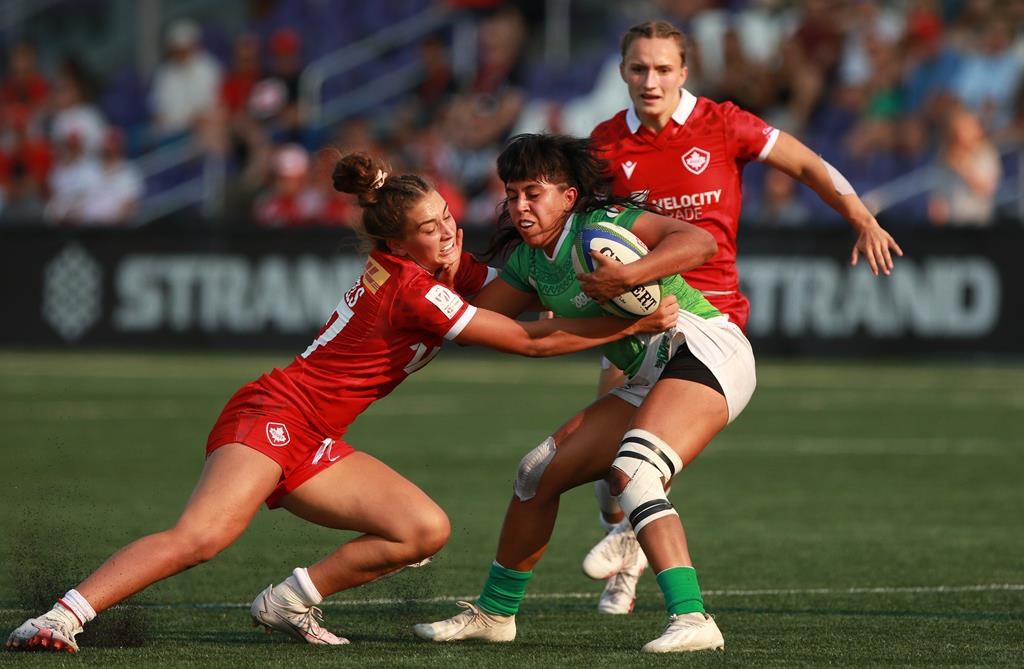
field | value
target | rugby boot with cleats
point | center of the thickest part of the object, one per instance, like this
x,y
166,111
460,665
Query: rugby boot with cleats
x,y
283,611
473,623
617,550
687,632
619,594
54,631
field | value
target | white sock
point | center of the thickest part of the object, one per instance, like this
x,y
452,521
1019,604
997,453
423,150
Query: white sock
x,y
303,586
605,523
78,605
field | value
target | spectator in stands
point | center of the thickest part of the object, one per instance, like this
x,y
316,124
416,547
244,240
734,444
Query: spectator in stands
x,y
744,81
248,144
246,70
23,145
780,206
482,115
114,198
989,75
931,66
294,200
274,100
438,85
810,61
971,172
21,197
73,111
75,176
24,85
186,85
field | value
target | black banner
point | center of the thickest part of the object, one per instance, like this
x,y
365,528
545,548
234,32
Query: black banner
x,y
956,291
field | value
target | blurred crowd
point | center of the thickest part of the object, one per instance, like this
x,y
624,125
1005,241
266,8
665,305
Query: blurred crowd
x,y
930,88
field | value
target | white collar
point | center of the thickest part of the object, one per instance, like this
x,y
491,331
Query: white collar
x,y
687,101
561,240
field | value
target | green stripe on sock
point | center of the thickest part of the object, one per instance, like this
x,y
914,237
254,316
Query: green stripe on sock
x,y
504,590
682,594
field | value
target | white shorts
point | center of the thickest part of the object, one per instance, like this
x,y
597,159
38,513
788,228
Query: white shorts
x,y
716,342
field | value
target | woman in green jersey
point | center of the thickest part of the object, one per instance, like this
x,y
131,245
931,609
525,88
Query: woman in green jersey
x,y
685,384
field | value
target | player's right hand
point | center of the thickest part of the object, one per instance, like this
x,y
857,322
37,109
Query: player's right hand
x,y
662,319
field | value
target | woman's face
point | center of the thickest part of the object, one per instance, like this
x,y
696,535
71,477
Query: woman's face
x,y
429,234
654,72
539,210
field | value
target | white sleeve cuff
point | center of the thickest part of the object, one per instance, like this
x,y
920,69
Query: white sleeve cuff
x,y
773,137
461,324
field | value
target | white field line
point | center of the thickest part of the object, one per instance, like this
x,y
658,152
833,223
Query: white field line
x,y
732,592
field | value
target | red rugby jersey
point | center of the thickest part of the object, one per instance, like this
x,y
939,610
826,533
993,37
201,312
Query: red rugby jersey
x,y
391,323
692,170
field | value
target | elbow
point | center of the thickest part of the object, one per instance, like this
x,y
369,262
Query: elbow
x,y
535,349
709,247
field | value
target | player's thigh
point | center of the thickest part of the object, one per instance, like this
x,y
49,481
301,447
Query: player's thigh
x,y
611,377
686,414
586,444
234,482
361,493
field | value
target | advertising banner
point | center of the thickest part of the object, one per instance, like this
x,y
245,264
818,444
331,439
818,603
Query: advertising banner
x,y
954,292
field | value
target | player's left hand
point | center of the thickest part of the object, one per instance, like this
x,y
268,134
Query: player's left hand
x,y
446,274
605,282
877,246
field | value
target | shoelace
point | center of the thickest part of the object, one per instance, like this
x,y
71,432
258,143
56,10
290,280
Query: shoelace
x,y
474,612
684,621
312,620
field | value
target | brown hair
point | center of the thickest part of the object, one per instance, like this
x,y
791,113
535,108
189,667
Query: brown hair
x,y
385,198
654,29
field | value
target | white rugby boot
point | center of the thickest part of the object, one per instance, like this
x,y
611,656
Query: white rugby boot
x,y
617,550
473,623
55,631
285,612
619,594
687,632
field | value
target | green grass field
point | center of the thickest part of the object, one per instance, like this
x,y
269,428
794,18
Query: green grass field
x,y
857,514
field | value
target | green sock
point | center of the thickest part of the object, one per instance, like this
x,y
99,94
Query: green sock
x,y
504,590
682,594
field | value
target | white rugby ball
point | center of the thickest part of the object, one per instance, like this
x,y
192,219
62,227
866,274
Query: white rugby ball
x,y
622,245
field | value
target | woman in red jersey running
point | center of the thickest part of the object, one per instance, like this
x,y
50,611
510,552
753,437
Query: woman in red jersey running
x,y
279,438
686,155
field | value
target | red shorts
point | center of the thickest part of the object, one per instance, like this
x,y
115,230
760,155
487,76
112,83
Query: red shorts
x,y
266,423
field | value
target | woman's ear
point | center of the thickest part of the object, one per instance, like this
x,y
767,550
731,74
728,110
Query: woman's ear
x,y
396,247
571,194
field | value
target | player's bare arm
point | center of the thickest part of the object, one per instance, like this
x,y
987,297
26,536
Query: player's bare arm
x,y
676,247
501,297
558,336
798,161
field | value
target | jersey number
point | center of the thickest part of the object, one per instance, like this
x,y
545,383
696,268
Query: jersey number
x,y
421,355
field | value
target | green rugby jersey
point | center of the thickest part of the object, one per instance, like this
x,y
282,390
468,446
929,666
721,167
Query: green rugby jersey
x,y
529,269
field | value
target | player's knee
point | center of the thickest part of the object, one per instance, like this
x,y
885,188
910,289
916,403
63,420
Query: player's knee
x,y
427,535
616,481
639,472
531,469
195,548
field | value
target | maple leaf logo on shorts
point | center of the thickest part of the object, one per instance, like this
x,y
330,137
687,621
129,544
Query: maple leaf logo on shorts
x,y
277,434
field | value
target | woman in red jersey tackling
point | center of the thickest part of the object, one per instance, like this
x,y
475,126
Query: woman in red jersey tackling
x,y
686,154
279,438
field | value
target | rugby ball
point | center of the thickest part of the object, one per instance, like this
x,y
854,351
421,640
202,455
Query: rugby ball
x,y
622,245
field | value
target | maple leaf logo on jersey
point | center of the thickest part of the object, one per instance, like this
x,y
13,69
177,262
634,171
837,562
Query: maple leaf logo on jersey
x,y
277,434
696,160
628,168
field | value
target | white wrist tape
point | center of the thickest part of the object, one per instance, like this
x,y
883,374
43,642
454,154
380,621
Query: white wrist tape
x,y
839,182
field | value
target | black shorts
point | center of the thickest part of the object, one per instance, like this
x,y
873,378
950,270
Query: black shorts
x,y
685,365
